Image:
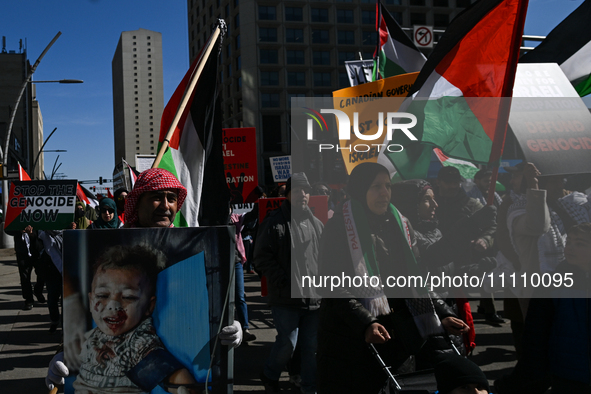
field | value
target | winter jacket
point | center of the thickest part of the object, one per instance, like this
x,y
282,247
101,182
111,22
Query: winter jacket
x,y
276,238
345,364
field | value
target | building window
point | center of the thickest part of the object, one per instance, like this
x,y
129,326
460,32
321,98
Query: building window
x,y
369,38
295,57
293,14
345,16
398,17
294,35
134,49
267,13
268,56
320,36
321,79
270,100
344,80
368,17
271,138
441,20
418,18
345,56
296,79
417,2
269,78
238,64
321,58
237,21
237,41
346,37
394,2
319,15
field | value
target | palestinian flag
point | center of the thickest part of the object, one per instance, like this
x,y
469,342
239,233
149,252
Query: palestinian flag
x,y
396,54
194,155
467,169
22,174
456,97
86,196
569,45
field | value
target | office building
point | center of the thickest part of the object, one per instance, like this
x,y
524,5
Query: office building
x,y
27,130
138,98
278,50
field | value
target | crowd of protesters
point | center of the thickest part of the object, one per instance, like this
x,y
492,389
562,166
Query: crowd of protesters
x,y
441,225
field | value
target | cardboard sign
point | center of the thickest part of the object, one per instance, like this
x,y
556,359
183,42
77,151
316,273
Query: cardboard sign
x,y
281,167
45,205
191,269
240,163
365,101
550,121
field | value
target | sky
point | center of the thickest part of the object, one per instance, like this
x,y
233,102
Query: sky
x,y
83,113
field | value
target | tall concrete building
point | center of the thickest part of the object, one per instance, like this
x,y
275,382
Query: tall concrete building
x,y
138,97
278,50
27,130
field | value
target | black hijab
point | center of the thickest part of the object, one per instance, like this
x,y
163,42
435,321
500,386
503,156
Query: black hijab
x,y
361,179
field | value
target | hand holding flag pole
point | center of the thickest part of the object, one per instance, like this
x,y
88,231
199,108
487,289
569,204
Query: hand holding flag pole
x,y
188,94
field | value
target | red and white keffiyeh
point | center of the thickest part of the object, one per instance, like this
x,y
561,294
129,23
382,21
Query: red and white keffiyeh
x,y
152,180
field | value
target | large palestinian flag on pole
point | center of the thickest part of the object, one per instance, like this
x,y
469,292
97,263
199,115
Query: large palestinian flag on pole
x,y
194,155
456,97
569,45
396,54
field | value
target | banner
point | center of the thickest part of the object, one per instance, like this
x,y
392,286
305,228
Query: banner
x,y
359,71
45,205
155,295
240,163
361,100
550,121
281,167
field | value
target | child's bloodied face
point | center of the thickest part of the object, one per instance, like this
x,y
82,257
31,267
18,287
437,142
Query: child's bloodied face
x,y
120,299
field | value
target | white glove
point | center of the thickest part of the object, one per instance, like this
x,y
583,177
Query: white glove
x,y
232,335
74,327
183,390
57,371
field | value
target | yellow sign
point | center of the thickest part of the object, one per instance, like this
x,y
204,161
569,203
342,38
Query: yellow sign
x,y
363,104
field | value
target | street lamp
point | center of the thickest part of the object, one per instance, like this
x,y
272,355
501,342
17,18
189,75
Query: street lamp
x,y
60,81
7,240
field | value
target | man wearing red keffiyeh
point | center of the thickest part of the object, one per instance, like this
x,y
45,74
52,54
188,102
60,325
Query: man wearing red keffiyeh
x,y
155,199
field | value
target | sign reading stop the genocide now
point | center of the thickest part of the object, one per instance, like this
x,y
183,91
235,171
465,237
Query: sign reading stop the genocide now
x,y
550,121
240,163
45,205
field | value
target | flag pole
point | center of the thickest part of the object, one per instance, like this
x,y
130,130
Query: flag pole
x,y
378,24
505,105
188,94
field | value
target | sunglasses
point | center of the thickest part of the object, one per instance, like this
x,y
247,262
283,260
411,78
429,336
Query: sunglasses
x,y
107,210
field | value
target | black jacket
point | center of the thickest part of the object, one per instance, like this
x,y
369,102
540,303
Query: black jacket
x,y
345,364
277,238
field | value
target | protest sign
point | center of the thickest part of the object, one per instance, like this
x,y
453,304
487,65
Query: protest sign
x,y
359,71
364,102
281,167
550,121
240,163
45,205
193,272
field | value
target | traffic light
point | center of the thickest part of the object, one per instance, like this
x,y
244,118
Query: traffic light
x,y
100,180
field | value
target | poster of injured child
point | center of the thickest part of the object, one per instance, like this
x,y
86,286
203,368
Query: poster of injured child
x,y
142,309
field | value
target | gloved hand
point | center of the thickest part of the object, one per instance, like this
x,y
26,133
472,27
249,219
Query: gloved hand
x,y
75,327
57,371
232,335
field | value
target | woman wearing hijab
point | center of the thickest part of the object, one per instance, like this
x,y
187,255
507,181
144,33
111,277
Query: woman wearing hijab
x,y
80,219
369,237
108,218
416,201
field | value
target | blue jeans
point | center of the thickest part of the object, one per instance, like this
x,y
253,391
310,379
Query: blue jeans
x,y
294,326
239,296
